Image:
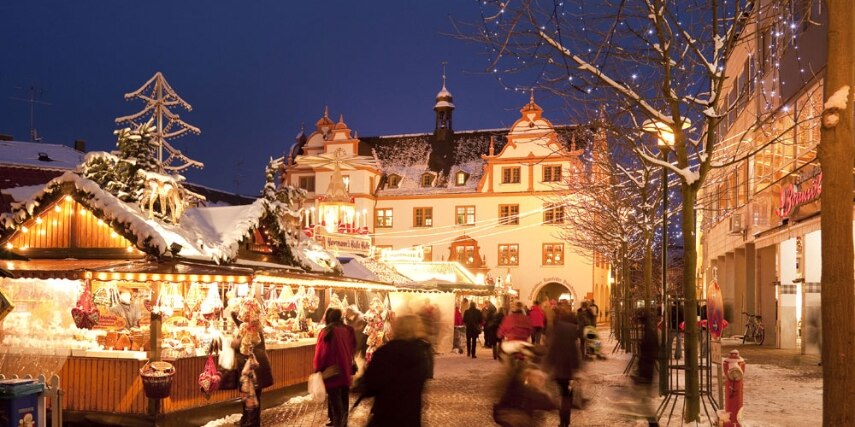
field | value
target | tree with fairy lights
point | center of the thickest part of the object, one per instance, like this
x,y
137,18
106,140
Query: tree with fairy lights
x,y
659,68
159,98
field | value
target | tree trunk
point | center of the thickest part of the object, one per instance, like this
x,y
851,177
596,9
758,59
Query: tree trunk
x,y
838,283
690,307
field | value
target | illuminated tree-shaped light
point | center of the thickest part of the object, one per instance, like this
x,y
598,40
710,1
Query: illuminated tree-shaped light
x,y
159,98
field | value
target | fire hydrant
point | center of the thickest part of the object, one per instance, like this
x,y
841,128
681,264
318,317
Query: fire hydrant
x,y
734,370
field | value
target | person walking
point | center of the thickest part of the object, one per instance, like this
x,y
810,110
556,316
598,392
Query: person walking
x,y
563,359
643,377
491,332
538,321
472,318
549,315
396,376
595,311
515,326
674,320
334,360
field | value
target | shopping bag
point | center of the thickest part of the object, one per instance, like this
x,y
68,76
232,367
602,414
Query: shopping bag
x,y
316,387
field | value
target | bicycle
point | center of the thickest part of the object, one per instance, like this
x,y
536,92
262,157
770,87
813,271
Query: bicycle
x,y
754,329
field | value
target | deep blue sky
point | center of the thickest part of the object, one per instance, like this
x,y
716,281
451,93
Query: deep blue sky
x,y
253,71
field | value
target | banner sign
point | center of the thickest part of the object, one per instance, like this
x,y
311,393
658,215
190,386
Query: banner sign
x,y
351,243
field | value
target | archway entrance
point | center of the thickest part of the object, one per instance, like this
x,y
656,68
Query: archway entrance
x,y
556,291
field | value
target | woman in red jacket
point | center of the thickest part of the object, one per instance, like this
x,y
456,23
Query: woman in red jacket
x,y
334,358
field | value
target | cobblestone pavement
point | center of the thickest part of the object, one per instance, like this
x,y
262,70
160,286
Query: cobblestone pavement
x,y
463,392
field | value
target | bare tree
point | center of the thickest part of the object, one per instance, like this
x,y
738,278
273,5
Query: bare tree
x,y
836,157
657,62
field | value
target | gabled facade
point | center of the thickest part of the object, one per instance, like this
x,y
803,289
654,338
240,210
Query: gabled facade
x,y
486,201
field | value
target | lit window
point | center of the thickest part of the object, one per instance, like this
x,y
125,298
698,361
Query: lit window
x,y
552,173
511,175
509,254
460,178
383,218
553,254
427,180
423,217
509,214
346,180
464,215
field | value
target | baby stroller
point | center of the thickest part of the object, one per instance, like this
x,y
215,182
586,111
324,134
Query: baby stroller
x,y
593,344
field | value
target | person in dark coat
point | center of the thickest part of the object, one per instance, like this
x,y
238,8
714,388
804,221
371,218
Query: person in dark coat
x,y
491,332
251,417
563,359
472,318
397,374
334,357
643,377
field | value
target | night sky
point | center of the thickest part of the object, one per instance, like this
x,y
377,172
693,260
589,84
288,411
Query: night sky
x,y
253,71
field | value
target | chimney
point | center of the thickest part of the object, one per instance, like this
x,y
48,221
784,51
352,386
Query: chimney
x,y
5,137
80,145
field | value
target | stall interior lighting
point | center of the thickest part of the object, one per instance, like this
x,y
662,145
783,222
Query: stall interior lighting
x,y
157,277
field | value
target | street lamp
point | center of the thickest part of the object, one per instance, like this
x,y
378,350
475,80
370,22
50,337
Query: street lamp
x,y
665,140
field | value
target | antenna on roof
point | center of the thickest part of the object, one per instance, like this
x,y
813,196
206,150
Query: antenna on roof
x,y
33,93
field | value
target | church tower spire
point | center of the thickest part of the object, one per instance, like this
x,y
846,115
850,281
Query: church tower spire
x,y
444,106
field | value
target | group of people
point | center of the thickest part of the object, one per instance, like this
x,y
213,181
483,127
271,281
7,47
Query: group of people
x,y
395,376
528,323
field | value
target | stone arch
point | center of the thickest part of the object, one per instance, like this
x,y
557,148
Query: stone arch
x,y
552,285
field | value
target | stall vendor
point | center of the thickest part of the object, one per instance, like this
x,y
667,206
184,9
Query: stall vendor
x,y
127,310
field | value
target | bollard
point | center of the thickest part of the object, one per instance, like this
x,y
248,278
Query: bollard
x,y
734,370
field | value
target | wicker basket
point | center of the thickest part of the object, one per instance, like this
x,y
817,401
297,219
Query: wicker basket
x,y
157,379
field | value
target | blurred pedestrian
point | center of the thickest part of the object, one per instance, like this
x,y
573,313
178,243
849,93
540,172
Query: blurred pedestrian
x,y
643,378
515,326
584,318
538,321
491,331
397,374
253,365
472,318
334,360
675,318
595,311
563,359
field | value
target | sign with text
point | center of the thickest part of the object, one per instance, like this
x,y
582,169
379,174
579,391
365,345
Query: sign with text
x,y
793,195
351,243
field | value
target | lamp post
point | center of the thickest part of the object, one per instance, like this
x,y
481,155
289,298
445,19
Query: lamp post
x,y
665,140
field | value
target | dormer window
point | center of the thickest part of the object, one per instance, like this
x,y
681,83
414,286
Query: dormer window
x,y
460,178
427,180
394,181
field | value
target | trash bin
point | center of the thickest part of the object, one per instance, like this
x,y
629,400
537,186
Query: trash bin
x,y
19,401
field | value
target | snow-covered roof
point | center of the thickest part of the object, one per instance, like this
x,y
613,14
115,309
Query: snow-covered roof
x,y
443,93
51,156
203,233
440,104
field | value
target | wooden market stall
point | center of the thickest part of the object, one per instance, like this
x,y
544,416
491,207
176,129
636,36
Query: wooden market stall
x,y
106,287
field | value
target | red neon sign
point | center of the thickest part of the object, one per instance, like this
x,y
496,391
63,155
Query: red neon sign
x,y
791,198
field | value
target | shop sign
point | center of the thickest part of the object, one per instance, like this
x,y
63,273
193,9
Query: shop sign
x,y
416,254
352,243
795,195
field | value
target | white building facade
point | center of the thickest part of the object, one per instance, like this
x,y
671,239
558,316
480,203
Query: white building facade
x,y
486,199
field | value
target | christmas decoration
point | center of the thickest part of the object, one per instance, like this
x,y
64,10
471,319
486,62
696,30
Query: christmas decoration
x,y
159,97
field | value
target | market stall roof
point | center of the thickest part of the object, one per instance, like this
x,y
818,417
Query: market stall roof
x,y
54,269
439,271
367,268
318,281
203,233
